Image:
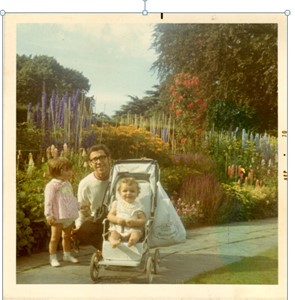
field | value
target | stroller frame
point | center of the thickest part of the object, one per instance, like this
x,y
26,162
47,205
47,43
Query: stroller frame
x,y
147,173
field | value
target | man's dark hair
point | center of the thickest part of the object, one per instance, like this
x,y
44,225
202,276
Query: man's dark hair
x,y
97,148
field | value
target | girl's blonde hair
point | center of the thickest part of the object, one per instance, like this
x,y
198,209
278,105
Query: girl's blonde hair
x,y
128,181
55,165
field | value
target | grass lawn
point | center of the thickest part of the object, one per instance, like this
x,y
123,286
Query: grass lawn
x,y
260,269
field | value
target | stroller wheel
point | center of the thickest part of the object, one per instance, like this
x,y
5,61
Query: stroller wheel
x,y
156,261
94,267
148,270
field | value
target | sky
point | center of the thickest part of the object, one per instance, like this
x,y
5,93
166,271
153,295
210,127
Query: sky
x,y
116,58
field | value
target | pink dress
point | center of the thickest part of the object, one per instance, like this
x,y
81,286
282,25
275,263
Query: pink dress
x,y
60,201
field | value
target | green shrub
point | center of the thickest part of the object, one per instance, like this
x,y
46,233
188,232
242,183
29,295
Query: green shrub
x,y
33,233
127,142
247,203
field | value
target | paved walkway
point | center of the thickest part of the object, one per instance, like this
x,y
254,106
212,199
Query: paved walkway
x,y
205,249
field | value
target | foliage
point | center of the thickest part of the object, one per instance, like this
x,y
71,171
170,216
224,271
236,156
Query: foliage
x,y
139,106
228,115
247,203
172,177
28,138
235,62
188,108
256,153
182,166
131,142
39,72
204,201
61,118
200,198
207,187
190,214
33,233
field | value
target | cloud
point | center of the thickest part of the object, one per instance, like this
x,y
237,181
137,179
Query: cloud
x,y
119,39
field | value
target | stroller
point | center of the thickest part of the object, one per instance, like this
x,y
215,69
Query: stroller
x,y
146,172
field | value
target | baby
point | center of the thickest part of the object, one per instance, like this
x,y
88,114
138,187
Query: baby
x,y
126,214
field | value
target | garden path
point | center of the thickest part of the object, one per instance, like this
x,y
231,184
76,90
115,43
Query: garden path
x,y
206,249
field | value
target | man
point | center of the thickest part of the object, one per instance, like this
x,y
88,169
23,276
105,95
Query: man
x,y
91,192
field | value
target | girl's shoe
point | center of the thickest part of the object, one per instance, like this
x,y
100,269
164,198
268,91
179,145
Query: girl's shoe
x,y
54,262
70,258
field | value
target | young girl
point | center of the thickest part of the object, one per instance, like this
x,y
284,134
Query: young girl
x,y
61,208
126,215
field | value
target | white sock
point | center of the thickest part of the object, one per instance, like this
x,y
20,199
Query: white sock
x,y
67,253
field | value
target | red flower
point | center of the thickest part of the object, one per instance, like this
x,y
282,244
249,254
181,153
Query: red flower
x,y
198,117
204,105
190,106
178,112
198,101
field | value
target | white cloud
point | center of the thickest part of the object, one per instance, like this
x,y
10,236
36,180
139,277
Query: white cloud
x,y
131,39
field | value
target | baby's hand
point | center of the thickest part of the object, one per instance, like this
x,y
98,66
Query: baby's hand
x,y
51,220
130,223
121,222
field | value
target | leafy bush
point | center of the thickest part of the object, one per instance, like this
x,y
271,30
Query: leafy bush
x,y
247,203
190,214
33,233
188,109
228,115
257,153
127,142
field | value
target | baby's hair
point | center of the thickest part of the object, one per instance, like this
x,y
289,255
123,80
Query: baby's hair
x,y
128,181
55,165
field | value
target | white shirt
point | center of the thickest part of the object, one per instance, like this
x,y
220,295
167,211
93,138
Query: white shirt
x,y
91,192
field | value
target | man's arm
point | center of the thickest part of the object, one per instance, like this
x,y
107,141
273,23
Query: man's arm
x,y
84,211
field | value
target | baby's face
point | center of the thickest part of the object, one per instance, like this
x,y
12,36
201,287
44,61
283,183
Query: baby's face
x,y
128,192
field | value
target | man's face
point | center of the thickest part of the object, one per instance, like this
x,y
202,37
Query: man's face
x,y
100,163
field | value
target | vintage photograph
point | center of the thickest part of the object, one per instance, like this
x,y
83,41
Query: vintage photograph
x,y
147,151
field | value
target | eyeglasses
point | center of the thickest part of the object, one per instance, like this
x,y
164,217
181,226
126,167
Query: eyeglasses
x,y
98,158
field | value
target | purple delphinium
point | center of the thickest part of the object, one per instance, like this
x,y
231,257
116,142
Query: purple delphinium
x,y
38,115
61,110
43,99
165,135
52,109
29,113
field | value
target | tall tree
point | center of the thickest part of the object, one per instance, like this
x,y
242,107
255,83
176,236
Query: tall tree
x,y
34,73
140,106
234,62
